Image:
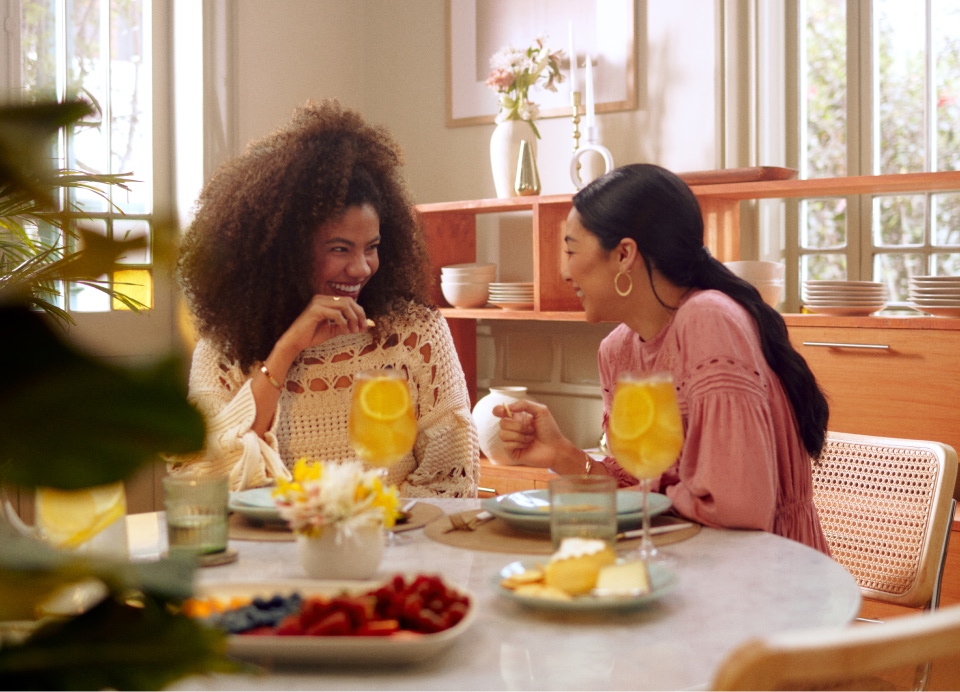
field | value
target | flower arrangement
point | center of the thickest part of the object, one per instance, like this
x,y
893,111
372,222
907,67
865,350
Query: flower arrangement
x,y
343,495
514,72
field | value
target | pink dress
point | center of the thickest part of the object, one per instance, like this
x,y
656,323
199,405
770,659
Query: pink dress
x,y
743,464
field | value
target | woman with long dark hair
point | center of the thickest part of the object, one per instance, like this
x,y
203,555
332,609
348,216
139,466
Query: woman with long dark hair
x,y
753,414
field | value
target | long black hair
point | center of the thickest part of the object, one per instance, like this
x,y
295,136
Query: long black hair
x,y
661,214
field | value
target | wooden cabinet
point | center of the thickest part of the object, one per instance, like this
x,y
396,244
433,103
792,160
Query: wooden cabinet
x,y
891,376
908,387
499,480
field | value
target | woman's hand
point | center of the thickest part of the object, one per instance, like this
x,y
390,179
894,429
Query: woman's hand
x,y
324,318
531,435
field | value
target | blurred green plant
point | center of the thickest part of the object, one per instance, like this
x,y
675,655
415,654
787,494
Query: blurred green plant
x,y
33,195
70,421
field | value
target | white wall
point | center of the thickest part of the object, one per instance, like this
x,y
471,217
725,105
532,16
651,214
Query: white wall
x,y
387,58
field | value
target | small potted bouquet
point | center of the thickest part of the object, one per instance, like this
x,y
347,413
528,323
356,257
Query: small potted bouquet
x,y
513,73
339,511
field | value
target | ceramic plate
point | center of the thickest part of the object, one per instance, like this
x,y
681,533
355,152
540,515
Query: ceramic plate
x,y
662,581
256,505
368,651
541,522
513,306
938,311
844,310
537,502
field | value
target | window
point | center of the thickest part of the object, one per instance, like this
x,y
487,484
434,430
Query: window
x,y
99,51
879,94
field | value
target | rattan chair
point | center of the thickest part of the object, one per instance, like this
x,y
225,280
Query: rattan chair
x,y
886,507
841,658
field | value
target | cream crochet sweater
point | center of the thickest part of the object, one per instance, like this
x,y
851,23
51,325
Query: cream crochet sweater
x,y
312,413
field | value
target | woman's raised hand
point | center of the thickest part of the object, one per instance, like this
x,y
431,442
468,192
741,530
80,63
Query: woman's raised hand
x,y
530,433
324,318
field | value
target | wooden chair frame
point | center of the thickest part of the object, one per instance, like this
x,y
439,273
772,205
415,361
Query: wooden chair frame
x,y
816,658
885,505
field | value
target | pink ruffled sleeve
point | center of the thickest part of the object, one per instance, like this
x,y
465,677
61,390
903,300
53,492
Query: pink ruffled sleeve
x,y
726,475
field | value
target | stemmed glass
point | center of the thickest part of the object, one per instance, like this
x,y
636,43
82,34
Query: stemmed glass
x,y
645,434
382,425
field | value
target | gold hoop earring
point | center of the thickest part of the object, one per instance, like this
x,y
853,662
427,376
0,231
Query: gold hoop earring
x,y
616,283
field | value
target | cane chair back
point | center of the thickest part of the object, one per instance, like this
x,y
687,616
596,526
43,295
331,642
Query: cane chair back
x,y
855,658
885,505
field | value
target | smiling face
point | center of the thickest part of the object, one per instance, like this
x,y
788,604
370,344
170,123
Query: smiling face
x,y
345,252
590,270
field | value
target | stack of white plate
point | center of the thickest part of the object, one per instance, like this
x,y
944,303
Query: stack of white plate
x,y
512,296
843,297
467,285
936,295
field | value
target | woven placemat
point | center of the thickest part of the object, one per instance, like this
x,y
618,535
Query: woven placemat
x,y
241,529
497,536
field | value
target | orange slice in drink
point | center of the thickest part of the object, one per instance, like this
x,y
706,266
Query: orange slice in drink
x,y
384,399
632,413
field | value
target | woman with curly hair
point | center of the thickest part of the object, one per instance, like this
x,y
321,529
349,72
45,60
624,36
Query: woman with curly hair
x,y
304,265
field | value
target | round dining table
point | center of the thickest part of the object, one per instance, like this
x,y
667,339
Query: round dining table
x,y
730,586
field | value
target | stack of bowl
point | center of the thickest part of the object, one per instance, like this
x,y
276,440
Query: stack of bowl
x,y
766,277
467,285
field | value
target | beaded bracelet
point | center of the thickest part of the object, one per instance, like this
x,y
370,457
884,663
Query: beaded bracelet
x,y
263,369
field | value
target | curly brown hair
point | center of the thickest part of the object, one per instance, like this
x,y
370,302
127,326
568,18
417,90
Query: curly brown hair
x,y
246,260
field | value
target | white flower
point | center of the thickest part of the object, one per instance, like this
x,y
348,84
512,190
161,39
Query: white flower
x,y
339,495
514,72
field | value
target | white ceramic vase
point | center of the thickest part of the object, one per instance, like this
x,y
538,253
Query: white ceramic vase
x,y
488,425
342,555
505,153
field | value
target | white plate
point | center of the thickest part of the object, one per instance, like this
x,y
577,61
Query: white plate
x,y
512,306
842,302
844,310
537,502
842,284
938,311
255,504
837,292
937,302
662,581
658,504
369,651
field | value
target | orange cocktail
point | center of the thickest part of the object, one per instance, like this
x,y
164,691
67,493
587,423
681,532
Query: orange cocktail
x,y
382,427
645,433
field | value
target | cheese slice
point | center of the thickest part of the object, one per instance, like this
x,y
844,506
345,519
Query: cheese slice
x,y
627,578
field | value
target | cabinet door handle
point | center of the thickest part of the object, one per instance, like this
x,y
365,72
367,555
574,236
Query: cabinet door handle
x,y
834,344
481,489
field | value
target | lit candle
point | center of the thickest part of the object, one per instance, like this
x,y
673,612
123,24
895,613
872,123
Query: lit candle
x,y
589,95
573,63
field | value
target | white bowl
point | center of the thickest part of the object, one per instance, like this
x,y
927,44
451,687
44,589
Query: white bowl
x,y
466,294
756,269
460,272
770,291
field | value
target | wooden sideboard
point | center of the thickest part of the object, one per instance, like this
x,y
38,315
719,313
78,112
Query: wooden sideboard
x,y
891,376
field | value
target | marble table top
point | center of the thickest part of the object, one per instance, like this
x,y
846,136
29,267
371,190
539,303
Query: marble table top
x,y
732,585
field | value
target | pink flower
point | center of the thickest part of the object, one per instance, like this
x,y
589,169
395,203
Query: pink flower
x,y
501,81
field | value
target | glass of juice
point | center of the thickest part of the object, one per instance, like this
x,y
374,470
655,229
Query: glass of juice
x,y
382,426
645,434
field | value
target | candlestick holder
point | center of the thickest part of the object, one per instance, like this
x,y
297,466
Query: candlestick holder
x,y
591,145
575,105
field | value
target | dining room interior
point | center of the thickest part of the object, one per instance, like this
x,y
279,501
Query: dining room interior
x,y
714,90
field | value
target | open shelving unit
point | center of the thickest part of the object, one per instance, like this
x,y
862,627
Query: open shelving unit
x,y
451,234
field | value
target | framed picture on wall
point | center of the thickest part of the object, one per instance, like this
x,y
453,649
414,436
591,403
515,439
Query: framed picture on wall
x,y
604,30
